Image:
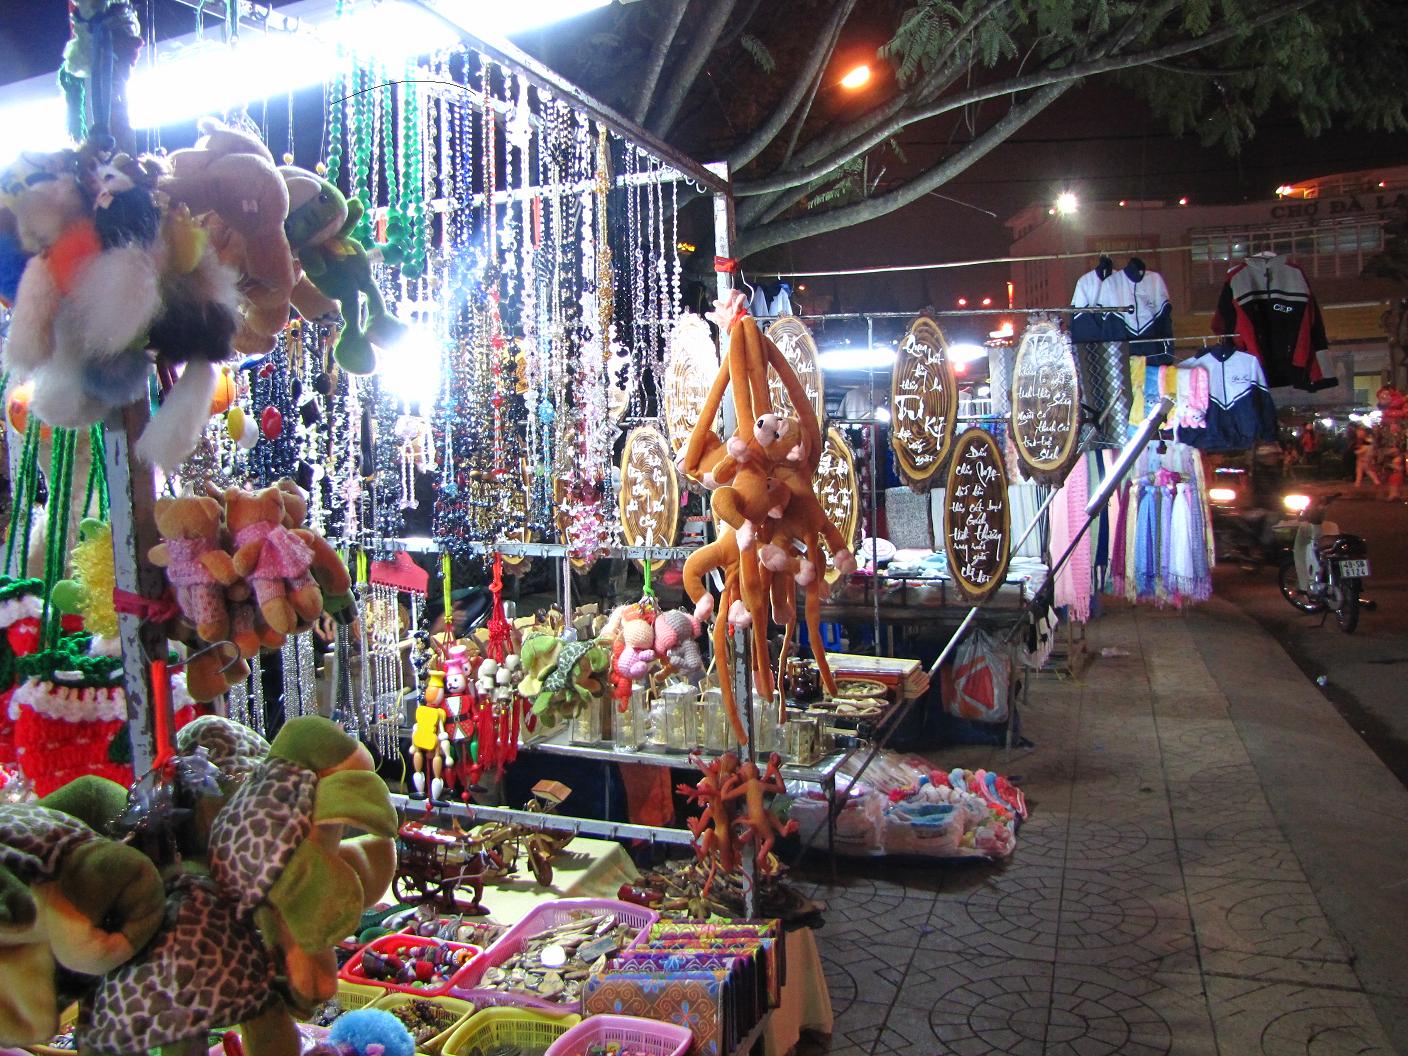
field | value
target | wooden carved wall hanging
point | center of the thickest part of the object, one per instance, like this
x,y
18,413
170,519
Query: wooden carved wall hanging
x,y
838,491
798,347
1046,395
690,365
923,404
650,492
977,520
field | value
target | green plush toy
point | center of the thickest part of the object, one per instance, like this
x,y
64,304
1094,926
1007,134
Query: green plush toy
x,y
277,848
73,905
251,943
575,680
319,227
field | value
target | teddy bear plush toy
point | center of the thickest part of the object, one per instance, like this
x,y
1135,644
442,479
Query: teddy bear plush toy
x,y
275,561
675,634
319,228
328,569
230,183
631,631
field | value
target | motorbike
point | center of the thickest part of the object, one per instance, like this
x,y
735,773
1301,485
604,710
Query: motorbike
x,y
1327,567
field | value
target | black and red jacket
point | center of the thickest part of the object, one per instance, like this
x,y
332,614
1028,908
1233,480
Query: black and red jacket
x,y
1267,305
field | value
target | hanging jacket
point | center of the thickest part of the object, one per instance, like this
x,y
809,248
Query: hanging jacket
x,y
1240,411
1094,327
1266,302
1152,316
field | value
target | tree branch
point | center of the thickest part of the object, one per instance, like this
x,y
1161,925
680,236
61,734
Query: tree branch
x,y
877,135
821,51
762,238
701,46
658,52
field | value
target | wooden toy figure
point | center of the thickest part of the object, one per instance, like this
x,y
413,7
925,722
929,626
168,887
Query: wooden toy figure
x,y
430,742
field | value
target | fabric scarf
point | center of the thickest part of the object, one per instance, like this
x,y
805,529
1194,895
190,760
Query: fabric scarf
x,y
1115,584
1146,545
1067,516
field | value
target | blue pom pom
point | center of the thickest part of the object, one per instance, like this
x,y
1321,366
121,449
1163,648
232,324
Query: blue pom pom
x,y
372,1026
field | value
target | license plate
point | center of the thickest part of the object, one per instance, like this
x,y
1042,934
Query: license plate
x,y
1354,569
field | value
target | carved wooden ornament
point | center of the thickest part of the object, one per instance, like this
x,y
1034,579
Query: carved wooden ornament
x,y
798,347
1046,398
977,520
838,490
690,365
923,404
650,492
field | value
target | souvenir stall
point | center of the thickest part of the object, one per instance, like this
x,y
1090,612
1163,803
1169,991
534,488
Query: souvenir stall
x,y
263,415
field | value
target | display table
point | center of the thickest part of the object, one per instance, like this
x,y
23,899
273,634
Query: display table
x,y
589,868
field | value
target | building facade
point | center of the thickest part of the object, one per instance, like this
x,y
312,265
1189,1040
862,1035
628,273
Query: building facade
x,y
1330,226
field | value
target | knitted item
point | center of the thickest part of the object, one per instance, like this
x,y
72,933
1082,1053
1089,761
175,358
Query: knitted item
x,y
64,732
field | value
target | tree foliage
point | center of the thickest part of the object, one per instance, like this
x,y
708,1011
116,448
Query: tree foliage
x,y
752,81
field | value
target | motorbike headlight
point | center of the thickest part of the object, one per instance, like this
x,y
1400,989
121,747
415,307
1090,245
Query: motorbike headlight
x,y
1296,503
1222,495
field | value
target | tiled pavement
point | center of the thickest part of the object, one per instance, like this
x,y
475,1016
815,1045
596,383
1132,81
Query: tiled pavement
x,y
1155,904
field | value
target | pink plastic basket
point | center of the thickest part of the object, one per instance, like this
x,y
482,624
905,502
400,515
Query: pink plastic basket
x,y
540,918
352,970
633,1034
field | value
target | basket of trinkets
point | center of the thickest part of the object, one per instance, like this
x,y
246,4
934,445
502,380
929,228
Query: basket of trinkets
x,y
544,960
508,1032
430,1020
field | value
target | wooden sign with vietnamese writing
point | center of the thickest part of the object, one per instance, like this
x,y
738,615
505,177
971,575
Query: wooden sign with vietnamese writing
x,y
923,404
1046,404
650,494
691,362
977,521
798,347
838,490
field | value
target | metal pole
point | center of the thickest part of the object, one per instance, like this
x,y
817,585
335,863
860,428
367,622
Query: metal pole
x,y
874,488
132,486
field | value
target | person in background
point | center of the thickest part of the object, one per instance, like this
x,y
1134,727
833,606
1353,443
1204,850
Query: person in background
x,y
1365,455
1394,448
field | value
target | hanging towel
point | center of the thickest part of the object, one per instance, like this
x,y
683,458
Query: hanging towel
x,y
1115,583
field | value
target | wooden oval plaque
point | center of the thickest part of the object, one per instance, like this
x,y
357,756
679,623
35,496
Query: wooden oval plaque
x,y
691,363
798,347
838,489
1046,404
650,492
977,521
923,404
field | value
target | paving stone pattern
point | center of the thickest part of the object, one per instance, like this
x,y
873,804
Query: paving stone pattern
x,y
1153,906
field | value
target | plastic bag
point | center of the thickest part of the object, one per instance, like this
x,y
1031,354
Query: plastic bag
x,y
975,685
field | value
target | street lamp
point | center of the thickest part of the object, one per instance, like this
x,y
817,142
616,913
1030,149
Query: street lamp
x,y
1067,203
856,78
